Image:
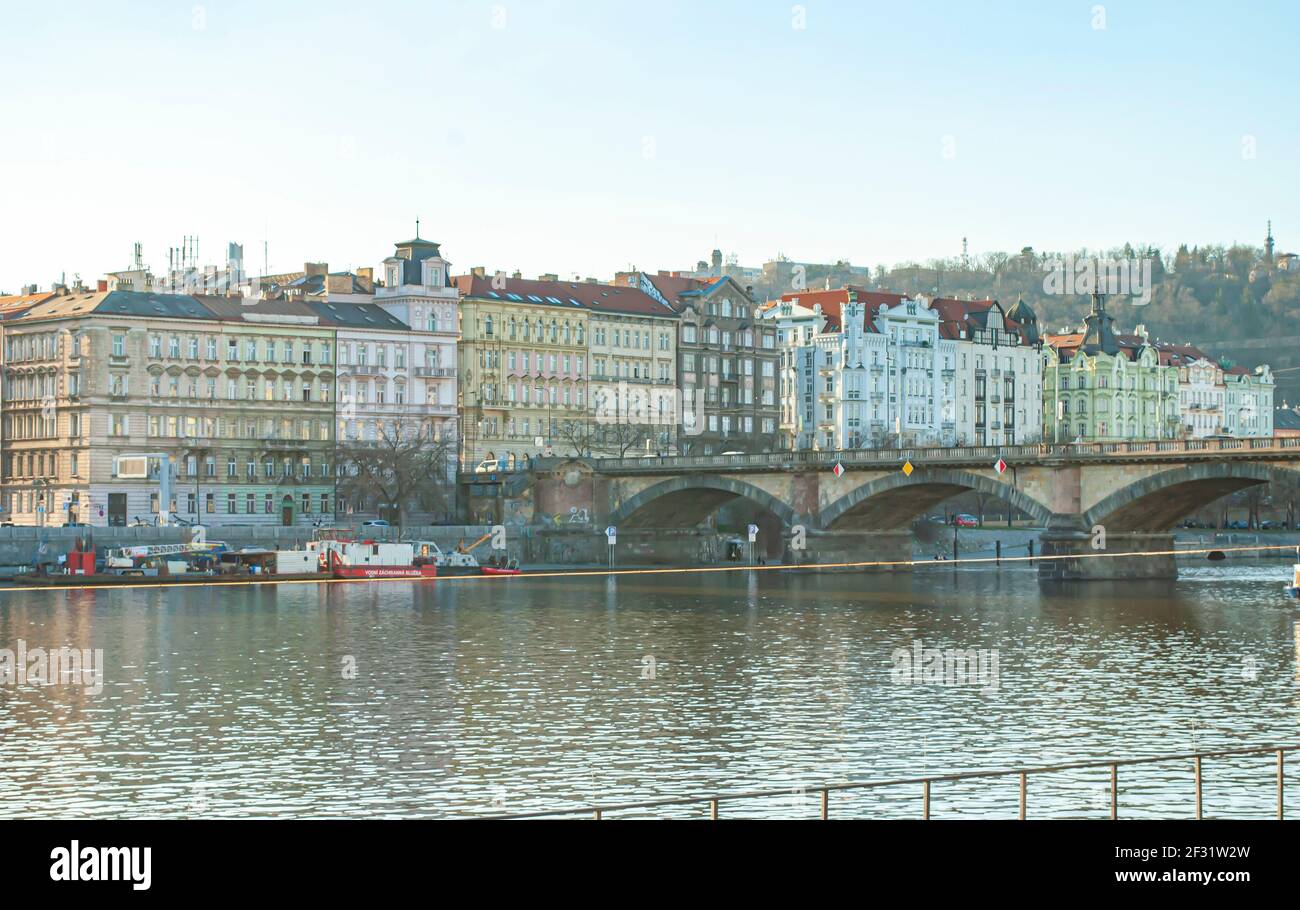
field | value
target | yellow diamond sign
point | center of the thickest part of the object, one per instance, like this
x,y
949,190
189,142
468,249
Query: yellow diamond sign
x,y
908,469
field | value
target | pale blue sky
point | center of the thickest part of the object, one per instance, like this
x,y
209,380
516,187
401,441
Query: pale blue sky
x,y
584,136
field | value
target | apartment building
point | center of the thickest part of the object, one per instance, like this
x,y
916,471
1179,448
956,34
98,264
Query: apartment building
x,y
1099,388
237,397
800,318
877,376
523,366
632,352
727,363
998,381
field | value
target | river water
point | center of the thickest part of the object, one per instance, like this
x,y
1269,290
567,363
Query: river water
x,y
489,696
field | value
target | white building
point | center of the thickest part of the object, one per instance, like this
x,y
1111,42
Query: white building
x,y
1202,397
800,317
998,381
1249,405
877,375
1213,401
418,290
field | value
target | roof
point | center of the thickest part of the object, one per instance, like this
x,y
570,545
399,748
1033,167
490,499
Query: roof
x,y
831,302
356,315
13,305
600,298
236,308
1286,419
147,305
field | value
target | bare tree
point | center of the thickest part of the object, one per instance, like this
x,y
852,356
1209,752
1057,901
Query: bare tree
x,y
406,468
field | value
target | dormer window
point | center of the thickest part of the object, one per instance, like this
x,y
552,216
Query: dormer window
x,y
392,276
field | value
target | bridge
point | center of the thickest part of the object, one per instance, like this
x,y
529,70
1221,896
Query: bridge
x,y
859,505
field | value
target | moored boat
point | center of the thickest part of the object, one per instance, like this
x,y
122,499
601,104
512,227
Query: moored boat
x,y
460,562
372,559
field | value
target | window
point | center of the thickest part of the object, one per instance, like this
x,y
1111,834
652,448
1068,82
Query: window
x,y
119,345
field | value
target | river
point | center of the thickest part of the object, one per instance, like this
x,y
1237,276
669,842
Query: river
x,y
487,696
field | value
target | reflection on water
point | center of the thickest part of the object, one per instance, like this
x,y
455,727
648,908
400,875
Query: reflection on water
x,y
467,698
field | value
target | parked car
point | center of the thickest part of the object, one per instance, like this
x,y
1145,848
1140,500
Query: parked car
x,y
490,466
966,521
375,523
74,524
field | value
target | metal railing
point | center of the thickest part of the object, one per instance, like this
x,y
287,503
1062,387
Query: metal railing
x,y
714,801
1022,454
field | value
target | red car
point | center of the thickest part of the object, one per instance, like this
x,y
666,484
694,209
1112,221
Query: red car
x,y
966,521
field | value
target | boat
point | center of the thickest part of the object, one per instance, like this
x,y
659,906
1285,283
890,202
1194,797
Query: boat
x,y
501,570
373,559
460,562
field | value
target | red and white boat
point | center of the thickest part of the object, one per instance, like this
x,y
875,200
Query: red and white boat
x,y
372,559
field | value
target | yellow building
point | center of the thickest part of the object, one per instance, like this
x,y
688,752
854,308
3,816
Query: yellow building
x,y
522,366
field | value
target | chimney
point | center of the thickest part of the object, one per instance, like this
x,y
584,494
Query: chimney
x,y
338,284
517,275
549,276
316,268
366,278
102,285
479,271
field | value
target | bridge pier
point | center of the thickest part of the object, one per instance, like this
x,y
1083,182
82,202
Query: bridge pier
x,y
1082,555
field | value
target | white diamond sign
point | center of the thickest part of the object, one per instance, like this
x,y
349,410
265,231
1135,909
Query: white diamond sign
x,y
839,469
1000,466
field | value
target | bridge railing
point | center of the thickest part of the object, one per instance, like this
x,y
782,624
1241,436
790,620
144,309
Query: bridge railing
x,y
971,454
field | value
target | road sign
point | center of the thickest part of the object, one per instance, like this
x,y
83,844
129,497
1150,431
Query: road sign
x,y
753,532
838,469
612,533
1000,466
907,468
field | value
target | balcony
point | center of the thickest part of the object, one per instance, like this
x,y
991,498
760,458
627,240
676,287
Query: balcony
x,y
435,372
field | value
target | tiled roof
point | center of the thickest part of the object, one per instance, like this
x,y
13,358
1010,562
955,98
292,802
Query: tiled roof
x,y
16,304
601,298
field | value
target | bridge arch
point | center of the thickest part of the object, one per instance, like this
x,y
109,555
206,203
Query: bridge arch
x,y
894,501
689,499
1158,502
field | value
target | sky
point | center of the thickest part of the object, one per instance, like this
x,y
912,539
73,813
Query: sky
x,y
582,137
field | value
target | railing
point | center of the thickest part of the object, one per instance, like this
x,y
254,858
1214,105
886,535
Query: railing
x,y
1036,452
715,801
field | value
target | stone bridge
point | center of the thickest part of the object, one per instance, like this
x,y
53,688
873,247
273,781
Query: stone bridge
x,y
1136,492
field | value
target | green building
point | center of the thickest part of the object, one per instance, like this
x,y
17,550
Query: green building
x,y
1100,387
